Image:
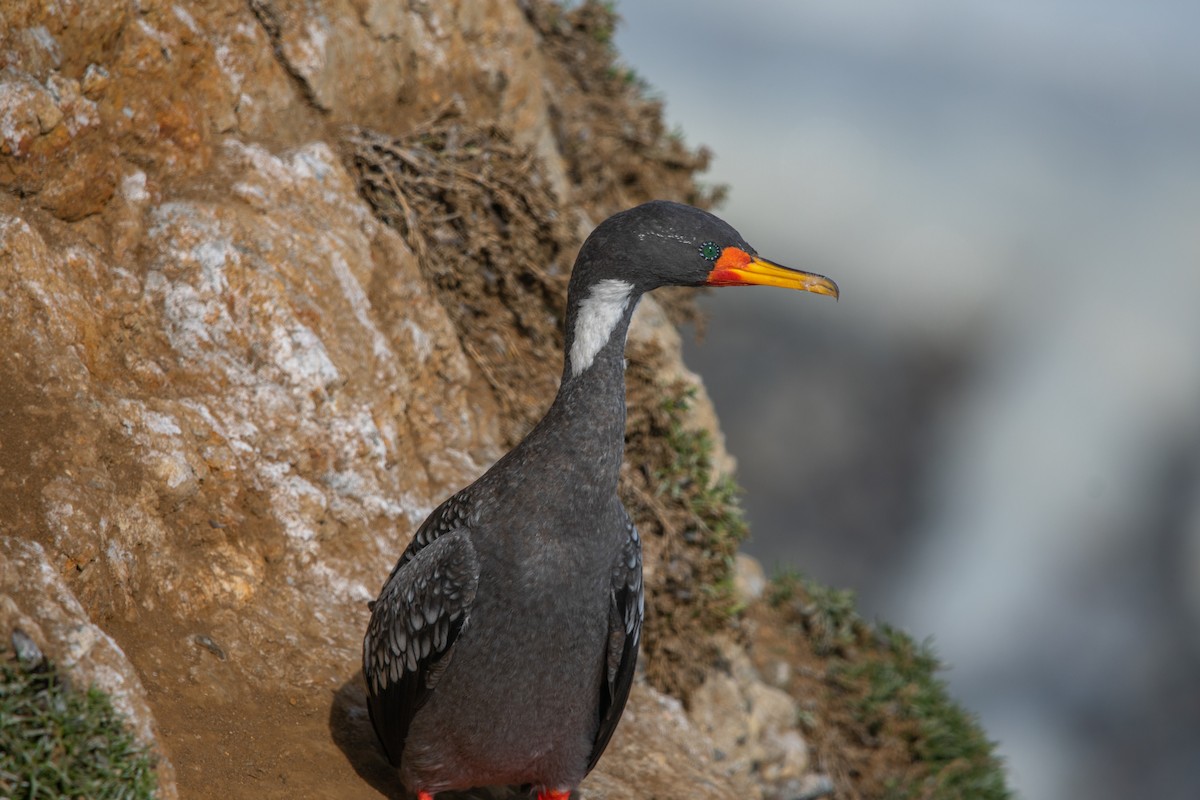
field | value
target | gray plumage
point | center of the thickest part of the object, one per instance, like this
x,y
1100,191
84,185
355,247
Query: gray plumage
x,y
502,647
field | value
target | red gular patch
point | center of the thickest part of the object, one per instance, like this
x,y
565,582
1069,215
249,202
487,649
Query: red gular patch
x,y
723,272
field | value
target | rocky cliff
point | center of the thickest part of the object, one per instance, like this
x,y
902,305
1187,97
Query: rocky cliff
x,y
277,276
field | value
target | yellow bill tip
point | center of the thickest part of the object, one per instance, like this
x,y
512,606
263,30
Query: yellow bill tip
x,y
736,267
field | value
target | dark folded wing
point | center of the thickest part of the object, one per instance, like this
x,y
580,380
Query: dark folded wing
x,y
624,636
451,515
422,609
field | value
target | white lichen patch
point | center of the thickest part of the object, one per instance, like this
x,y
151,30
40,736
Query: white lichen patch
x,y
213,255
78,112
119,560
359,496
173,470
387,432
422,341
301,355
308,182
26,110
165,40
432,46
311,162
389,542
359,436
307,53
133,187
45,41
163,452
187,19
12,226
264,170
233,428
193,323
60,519
339,586
228,64
230,49
189,279
161,423
296,503
359,304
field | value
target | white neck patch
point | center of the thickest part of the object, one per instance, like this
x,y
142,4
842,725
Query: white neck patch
x,y
599,314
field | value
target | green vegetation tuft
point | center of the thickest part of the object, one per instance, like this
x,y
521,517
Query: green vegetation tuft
x,y
606,20
901,682
712,503
830,618
690,521
890,685
56,742
630,77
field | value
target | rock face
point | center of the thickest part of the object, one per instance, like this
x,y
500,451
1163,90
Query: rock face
x,y
228,394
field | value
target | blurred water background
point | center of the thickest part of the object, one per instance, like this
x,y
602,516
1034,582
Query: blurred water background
x,y
995,436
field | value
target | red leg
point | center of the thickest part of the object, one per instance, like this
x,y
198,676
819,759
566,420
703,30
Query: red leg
x,y
424,796
548,794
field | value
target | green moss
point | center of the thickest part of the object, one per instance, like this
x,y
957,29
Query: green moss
x,y
56,742
606,21
629,76
712,503
889,684
830,617
901,683
691,524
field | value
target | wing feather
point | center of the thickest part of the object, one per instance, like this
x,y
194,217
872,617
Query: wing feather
x,y
423,608
626,610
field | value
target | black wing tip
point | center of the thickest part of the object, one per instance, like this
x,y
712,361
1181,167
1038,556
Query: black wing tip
x,y
391,737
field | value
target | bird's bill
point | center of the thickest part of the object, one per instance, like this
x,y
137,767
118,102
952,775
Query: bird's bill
x,y
736,267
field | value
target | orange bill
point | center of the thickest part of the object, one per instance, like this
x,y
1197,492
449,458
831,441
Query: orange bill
x,y
736,267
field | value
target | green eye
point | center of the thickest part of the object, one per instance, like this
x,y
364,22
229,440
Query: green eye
x,y
710,251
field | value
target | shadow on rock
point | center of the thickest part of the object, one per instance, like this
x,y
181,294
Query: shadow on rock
x,y
350,728
349,725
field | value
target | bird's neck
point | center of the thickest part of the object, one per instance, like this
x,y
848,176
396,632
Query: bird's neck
x,y
594,399
586,422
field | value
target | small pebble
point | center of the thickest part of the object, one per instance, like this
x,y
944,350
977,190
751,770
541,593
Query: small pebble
x,y
208,644
27,650
815,786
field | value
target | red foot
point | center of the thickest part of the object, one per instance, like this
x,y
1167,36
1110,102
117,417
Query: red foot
x,y
544,795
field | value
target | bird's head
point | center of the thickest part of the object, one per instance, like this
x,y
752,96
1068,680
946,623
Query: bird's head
x,y
661,243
